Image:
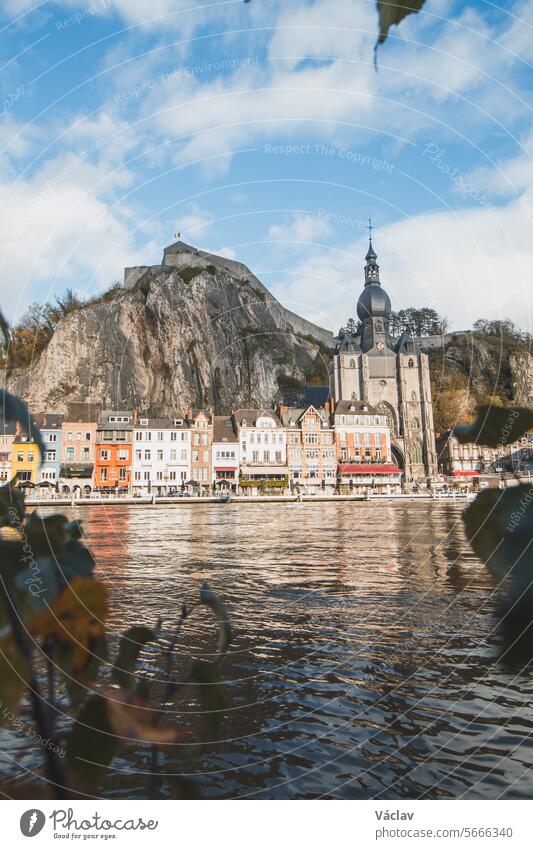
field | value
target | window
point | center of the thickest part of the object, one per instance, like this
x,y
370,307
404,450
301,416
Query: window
x,y
20,457
173,455
88,437
78,436
138,455
195,456
183,475
85,453
206,456
172,476
103,454
138,436
255,456
278,456
159,455
173,436
159,476
69,434
146,476
122,454
160,436
183,454
103,474
70,453
31,457
52,437
204,438
137,476
50,456
147,455
148,435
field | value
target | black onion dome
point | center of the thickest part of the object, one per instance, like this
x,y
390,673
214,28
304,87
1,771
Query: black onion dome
x,y
373,303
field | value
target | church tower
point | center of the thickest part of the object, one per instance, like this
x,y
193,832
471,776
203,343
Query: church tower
x,y
389,374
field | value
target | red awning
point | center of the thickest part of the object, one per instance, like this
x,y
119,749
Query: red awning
x,y
369,469
225,468
469,472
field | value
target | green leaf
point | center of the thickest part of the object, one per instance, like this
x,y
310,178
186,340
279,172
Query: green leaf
x,y
210,694
392,13
92,743
496,426
131,644
212,600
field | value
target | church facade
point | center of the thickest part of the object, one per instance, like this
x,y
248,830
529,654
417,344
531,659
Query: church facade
x,y
390,375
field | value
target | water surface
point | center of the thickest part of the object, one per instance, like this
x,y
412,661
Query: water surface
x,y
364,662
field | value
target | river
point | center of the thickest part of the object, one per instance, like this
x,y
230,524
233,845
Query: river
x,y
364,663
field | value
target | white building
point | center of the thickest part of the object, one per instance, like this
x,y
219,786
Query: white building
x,y
263,449
225,453
161,456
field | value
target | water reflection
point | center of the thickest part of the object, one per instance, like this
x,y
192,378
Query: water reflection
x,y
363,663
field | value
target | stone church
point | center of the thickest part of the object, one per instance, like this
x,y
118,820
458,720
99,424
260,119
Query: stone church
x,y
390,374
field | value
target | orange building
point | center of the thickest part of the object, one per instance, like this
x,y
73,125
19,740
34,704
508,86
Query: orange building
x,y
114,454
363,447
201,427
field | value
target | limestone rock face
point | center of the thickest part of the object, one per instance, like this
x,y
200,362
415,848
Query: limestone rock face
x,y
190,332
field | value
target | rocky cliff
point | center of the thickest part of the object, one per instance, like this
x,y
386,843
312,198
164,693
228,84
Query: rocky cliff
x,y
197,330
470,368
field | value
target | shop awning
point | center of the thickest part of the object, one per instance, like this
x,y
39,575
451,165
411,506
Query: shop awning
x,y
225,468
465,473
369,469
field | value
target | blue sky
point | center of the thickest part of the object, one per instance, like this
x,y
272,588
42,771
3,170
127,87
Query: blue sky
x,y
263,131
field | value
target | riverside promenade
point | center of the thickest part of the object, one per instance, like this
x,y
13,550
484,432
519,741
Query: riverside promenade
x,y
155,501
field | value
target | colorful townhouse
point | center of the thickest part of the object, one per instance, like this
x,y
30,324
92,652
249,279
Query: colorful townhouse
x,y
25,459
225,454
161,456
7,435
311,453
201,427
263,451
113,462
50,427
363,449
78,447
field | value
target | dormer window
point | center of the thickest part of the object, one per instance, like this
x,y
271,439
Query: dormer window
x,y
244,423
143,421
178,422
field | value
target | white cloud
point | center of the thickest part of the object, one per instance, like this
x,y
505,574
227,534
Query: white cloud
x,y
466,265
299,227
194,223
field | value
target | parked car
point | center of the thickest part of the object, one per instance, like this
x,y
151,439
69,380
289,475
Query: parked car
x,y
184,494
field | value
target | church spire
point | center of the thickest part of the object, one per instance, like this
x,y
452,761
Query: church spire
x,y
371,267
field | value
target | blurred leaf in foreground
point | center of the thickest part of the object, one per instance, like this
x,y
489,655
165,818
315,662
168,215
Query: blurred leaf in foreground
x,y
495,426
499,527
392,12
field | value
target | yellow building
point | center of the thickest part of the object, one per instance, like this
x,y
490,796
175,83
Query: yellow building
x,y
25,459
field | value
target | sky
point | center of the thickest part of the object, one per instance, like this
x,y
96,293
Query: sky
x,y
263,131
